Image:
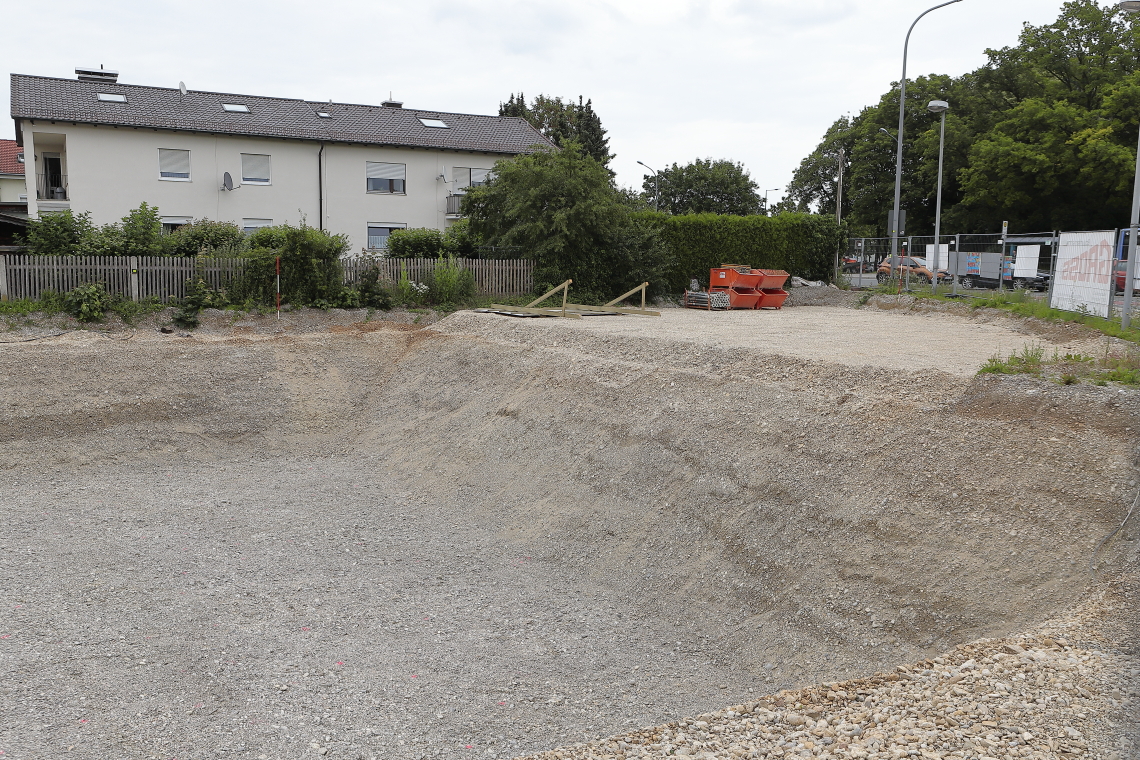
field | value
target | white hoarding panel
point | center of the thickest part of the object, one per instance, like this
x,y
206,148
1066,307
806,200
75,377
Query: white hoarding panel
x,y
1083,280
1025,264
943,255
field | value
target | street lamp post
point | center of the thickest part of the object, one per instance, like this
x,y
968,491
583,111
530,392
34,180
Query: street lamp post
x,y
656,187
902,113
766,209
939,107
1130,265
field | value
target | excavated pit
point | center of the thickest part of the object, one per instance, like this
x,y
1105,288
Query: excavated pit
x,y
493,537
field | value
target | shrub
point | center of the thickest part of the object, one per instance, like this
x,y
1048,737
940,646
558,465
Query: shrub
x,y
311,271
450,284
87,302
141,232
205,237
199,295
372,292
60,233
416,243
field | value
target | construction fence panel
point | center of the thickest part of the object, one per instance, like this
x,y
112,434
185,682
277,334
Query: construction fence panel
x,y
1083,277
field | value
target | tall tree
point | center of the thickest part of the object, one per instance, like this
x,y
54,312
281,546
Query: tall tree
x,y
704,186
563,121
1042,135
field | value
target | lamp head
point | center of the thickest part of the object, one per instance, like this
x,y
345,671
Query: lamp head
x,y
940,106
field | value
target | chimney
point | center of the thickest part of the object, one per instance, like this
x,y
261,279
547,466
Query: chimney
x,y
392,104
92,74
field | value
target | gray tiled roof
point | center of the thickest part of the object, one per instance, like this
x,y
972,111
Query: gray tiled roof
x,y
157,107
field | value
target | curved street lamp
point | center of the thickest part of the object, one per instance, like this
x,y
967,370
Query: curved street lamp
x,y
939,107
656,187
902,113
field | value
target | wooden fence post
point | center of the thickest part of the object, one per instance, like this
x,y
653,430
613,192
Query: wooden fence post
x,y
3,277
134,265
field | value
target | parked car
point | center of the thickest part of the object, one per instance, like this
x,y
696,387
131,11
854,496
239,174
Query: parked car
x,y
1039,282
917,267
1119,273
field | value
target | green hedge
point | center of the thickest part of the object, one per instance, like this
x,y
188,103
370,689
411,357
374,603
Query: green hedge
x,y
801,244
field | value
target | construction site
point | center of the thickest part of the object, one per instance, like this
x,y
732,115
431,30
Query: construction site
x,y
812,531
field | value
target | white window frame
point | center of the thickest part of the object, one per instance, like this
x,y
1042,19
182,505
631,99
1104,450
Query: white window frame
x,y
466,172
390,227
110,97
432,123
246,181
250,226
189,165
235,108
382,192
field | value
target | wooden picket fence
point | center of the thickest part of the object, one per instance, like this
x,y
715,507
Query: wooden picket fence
x,y
164,277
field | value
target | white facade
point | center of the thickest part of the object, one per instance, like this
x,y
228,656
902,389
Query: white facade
x,y
108,170
12,189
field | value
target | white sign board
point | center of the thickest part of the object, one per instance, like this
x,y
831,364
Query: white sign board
x,y
1083,280
943,255
1025,263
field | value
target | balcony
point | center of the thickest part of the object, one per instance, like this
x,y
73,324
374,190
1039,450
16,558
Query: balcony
x,y
51,186
453,202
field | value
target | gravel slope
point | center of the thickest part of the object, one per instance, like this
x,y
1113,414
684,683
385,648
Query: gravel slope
x,y
560,534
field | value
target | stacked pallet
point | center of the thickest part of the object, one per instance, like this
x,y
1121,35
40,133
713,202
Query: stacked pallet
x,y
740,287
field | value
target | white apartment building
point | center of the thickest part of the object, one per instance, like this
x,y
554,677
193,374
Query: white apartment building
x,y
103,147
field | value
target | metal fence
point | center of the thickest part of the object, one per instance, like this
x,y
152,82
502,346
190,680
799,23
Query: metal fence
x,y
1079,271
165,277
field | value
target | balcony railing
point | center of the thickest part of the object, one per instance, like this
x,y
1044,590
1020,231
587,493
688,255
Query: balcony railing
x,y
51,187
453,202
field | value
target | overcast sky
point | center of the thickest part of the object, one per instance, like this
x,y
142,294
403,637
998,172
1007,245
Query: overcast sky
x,y
673,80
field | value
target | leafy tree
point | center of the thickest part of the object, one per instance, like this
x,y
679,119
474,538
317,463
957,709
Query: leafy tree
x,y
1042,135
561,209
563,121
704,186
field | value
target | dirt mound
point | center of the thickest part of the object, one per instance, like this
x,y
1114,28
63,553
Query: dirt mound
x,y
675,526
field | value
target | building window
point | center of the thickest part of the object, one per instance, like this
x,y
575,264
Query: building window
x,y
19,158
324,114
111,97
255,168
174,164
171,223
434,123
465,177
385,178
378,234
250,226
235,108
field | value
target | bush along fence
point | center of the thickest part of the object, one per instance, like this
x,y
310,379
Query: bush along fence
x,y
802,244
138,278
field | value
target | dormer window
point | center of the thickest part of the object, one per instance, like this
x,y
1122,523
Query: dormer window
x,y
235,108
111,97
434,123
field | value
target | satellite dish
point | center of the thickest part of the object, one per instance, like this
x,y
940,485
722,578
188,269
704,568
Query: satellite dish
x,y
182,88
227,181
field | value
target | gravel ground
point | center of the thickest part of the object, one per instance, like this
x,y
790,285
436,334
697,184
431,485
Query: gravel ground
x,y
855,337
499,536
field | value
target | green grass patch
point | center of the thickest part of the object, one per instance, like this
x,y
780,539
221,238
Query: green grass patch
x,y
1121,365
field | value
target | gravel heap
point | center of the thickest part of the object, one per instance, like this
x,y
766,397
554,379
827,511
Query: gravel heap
x,y
1034,696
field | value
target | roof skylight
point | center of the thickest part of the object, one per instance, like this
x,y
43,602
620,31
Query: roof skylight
x,y
111,97
324,114
436,123
235,107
